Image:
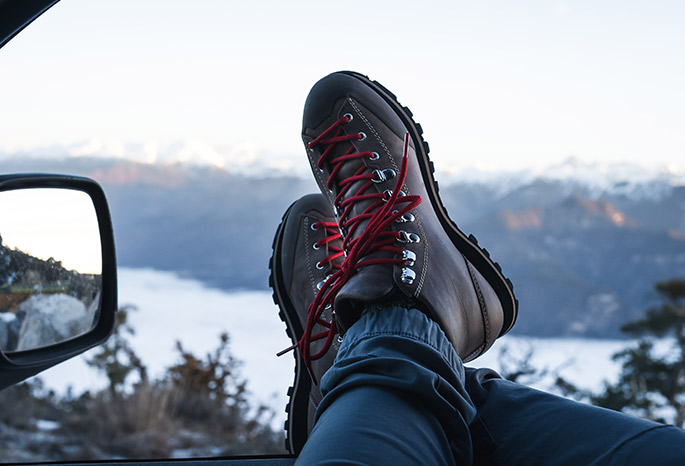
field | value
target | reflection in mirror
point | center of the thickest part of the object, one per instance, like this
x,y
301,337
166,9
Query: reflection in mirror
x,y
50,267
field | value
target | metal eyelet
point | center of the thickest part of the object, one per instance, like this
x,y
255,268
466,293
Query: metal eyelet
x,y
409,257
374,156
388,192
316,246
319,266
323,282
379,176
349,116
340,339
408,276
408,237
314,227
408,217
362,136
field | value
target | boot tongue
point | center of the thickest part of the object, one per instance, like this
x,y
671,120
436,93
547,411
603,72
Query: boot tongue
x,y
368,285
349,168
372,283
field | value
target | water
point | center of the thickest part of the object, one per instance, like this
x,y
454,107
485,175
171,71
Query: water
x,y
171,308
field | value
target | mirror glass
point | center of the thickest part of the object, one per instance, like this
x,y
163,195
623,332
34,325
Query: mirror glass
x,y
50,267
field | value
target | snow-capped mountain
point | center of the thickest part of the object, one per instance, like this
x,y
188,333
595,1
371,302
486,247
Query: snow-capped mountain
x,y
596,178
248,158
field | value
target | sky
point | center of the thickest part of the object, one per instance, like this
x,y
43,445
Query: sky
x,y
495,84
52,223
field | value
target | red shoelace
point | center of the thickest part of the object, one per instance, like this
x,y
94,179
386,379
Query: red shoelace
x,y
332,234
384,209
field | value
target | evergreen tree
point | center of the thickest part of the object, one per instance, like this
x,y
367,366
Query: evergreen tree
x,y
116,358
652,380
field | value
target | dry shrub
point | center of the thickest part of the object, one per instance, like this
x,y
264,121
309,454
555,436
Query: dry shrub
x,y
199,405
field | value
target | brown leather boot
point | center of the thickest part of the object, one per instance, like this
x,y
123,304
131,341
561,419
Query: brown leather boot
x,y
306,250
400,243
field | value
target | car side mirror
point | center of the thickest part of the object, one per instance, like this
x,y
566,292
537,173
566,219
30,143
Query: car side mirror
x,y
57,272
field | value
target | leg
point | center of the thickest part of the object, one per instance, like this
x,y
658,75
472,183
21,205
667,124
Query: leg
x,y
402,379
377,233
519,425
396,391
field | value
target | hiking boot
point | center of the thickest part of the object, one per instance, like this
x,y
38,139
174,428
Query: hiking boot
x,y
370,160
307,249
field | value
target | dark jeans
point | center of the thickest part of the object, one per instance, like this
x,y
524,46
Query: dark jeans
x,y
398,394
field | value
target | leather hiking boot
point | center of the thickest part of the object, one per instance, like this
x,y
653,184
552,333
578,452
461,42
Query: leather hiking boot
x,y
307,249
370,160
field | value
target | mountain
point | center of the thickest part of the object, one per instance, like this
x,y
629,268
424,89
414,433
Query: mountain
x,y
583,250
582,254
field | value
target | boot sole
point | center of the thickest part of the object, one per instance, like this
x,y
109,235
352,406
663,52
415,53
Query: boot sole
x,y
297,408
467,245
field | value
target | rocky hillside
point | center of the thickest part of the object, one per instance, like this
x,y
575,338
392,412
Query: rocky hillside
x,y
41,302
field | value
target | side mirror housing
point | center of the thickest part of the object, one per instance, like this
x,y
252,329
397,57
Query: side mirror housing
x,y
57,272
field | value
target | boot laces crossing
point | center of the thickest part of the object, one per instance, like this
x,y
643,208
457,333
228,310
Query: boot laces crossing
x,y
384,209
332,234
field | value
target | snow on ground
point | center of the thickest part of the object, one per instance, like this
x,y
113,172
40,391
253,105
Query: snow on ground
x,y
171,308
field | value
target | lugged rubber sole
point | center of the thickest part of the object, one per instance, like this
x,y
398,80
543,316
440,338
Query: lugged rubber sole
x,y
296,430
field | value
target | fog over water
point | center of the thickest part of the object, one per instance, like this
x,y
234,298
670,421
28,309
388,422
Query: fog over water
x,y
171,308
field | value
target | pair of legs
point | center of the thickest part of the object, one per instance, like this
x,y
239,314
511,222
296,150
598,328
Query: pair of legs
x,y
398,394
376,257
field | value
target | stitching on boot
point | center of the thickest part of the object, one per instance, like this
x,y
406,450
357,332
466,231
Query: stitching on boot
x,y
307,252
481,300
375,133
475,353
320,177
424,266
